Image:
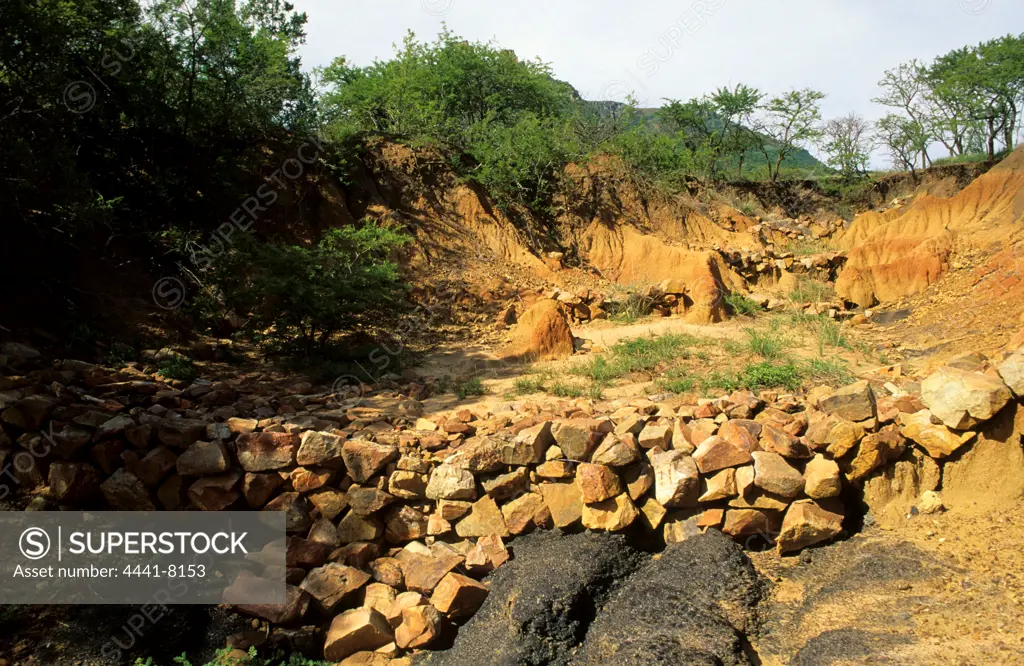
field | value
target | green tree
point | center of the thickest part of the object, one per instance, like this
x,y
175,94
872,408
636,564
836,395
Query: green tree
x,y
847,142
787,123
904,138
307,294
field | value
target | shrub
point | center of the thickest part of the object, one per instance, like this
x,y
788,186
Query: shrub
x,y
306,294
469,387
768,375
635,302
741,305
178,367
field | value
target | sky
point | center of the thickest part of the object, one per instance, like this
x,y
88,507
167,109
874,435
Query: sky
x,y
658,49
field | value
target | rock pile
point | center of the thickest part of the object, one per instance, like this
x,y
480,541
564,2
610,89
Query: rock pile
x,y
393,517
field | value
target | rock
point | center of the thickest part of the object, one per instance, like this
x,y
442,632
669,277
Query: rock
x,y
379,597
355,631
639,479
747,523
542,333
484,519
782,443
538,604
448,482
404,523
29,413
157,464
716,453
1012,372
936,439
564,501
308,479
296,509
526,512
265,451
453,509
320,448
458,596
295,606
773,474
180,433
875,450
508,485
577,438
125,492
528,447
488,554
930,502
331,583
652,513
259,487
822,479
676,479
655,436
555,469
215,493
834,434
421,625
612,515
367,500
407,485
807,523
692,606
204,459
597,482
363,459
423,572
962,399
73,483
855,402
720,486
681,530
616,451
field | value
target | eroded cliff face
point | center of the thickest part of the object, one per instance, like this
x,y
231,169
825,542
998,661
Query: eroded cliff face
x,y
903,251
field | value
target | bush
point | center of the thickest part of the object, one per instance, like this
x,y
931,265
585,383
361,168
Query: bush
x,y
294,294
741,305
469,387
178,367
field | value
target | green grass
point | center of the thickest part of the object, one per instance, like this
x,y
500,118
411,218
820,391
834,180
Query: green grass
x,y
832,370
633,303
811,291
528,385
677,380
178,367
740,305
576,390
469,387
806,247
752,377
769,345
253,659
831,334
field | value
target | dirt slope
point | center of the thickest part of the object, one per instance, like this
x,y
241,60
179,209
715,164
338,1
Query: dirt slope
x,y
897,254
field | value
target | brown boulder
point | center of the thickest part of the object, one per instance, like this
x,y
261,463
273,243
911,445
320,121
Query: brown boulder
x,y
542,333
458,596
356,630
807,523
265,451
364,458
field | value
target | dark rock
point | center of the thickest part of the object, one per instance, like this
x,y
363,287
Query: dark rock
x,y
541,603
691,606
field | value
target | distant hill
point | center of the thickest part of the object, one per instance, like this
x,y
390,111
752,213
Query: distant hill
x,y
754,164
